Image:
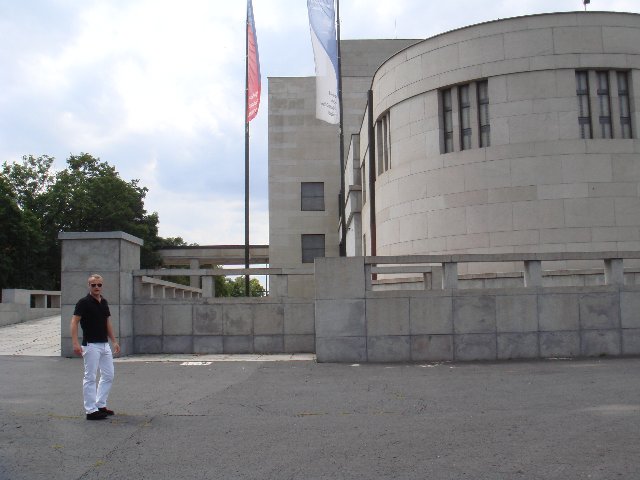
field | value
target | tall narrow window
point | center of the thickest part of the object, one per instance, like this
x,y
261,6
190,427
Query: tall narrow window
x,y
312,196
383,143
447,107
623,98
312,247
465,117
364,181
483,113
387,143
604,104
584,113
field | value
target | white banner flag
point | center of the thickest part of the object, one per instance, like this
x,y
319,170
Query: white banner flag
x,y
325,50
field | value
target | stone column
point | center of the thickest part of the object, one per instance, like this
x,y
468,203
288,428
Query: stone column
x,y
114,255
341,333
194,280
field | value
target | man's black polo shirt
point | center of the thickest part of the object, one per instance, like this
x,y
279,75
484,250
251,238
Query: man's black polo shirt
x,y
93,319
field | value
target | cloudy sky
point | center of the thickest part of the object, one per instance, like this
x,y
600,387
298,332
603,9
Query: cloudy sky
x,y
156,88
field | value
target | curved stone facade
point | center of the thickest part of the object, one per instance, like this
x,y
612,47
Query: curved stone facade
x,y
531,88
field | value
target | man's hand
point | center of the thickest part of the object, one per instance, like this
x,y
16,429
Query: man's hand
x,y
116,348
77,349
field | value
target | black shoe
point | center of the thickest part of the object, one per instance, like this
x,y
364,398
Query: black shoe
x,y
98,415
106,410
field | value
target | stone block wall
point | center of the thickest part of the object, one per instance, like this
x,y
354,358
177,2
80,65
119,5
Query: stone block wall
x,y
223,326
354,325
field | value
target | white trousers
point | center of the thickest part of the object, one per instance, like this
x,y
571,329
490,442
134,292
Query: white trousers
x,y
96,356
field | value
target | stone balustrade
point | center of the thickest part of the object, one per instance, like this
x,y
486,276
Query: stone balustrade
x,y
336,309
441,271
356,322
19,305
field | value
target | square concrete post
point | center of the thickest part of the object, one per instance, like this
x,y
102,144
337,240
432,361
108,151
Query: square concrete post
x,y
114,255
278,285
340,322
436,277
208,287
450,275
613,271
194,280
532,273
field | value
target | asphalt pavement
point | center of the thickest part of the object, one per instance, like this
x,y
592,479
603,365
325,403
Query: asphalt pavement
x,y
182,419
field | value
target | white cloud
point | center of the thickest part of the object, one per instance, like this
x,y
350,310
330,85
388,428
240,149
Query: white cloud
x,y
156,88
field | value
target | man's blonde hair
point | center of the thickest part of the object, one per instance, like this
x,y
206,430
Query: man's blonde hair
x,y
94,275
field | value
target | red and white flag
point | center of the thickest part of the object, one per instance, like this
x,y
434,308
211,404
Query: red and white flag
x,y
253,66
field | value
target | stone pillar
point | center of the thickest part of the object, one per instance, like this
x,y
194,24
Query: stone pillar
x,y
532,273
450,275
194,280
341,333
613,271
114,255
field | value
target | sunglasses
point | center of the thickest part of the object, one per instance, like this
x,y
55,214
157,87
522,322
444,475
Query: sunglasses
x,y
95,285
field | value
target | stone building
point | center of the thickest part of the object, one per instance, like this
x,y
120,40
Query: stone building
x,y
517,135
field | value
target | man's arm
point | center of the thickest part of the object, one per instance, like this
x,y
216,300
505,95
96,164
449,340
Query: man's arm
x,y
77,349
116,346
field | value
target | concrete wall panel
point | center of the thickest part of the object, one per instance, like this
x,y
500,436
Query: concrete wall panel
x,y
596,343
207,320
474,314
431,315
517,345
340,318
517,313
387,317
208,344
559,344
299,319
147,320
341,349
238,319
630,309
425,348
389,348
177,320
631,342
559,312
469,347
600,311
269,320
177,344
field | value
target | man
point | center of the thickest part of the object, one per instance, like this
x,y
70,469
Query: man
x,y
92,312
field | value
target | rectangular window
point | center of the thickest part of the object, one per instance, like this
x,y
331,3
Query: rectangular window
x,y
584,112
312,247
383,143
604,104
483,113
447,108
623,99
364,181
465,117
312,196
379,146
387,143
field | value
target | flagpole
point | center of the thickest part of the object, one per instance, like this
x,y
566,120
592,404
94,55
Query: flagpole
x,y
343,220
246,158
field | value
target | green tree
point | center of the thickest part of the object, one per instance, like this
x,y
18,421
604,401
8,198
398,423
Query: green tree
x,y
21,242
87,196
235,288
29,180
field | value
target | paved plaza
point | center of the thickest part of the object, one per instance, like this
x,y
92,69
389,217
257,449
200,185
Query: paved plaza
x,y
203,418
